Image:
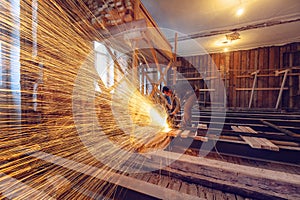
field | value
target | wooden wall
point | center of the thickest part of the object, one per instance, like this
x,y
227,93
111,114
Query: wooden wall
x,y
235,70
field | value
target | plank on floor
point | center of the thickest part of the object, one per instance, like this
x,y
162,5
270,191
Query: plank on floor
x,y
260,143
185,133
202,126
200,138
269,145
243,128
236,129
252,142
250,130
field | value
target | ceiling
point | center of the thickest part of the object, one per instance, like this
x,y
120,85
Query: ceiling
x,y
201,25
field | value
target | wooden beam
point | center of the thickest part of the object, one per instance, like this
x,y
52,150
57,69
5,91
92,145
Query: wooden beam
x,y
175,60
116,179
282,86
165,73
253,87
154,85
239,179
140,24
266,75
162,74
261,89
290,133
242,28
200,138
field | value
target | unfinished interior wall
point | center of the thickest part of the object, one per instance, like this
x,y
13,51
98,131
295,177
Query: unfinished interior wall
x,y
237,70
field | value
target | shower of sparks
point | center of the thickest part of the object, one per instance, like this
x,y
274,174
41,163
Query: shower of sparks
x,y
49,46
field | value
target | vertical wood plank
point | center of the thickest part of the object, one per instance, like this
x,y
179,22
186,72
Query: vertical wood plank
x,y
227,79
285,98
290,83
251,69
265,67
271,82
260,80
237,70
247,80
205,83
244,94
192,189
219,77
209,80
232,82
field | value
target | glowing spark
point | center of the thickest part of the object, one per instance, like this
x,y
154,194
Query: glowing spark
x,y
45,44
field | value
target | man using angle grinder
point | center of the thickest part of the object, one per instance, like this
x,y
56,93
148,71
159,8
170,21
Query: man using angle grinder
x,y
187,96
172,106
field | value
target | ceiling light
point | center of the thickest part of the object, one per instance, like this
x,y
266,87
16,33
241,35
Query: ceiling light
x,y
239,12
226,49
233,36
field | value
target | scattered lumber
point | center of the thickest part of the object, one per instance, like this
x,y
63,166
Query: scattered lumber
x,y
290,133
260,143
245,129
117,179
202,126
239,179
200,138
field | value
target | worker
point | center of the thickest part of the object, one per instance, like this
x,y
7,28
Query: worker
x,y
188,98
172,105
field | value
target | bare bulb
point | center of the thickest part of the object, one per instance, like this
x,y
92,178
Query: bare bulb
x,y
240,11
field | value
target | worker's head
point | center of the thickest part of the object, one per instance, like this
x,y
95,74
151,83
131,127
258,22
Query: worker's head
x,y
167,91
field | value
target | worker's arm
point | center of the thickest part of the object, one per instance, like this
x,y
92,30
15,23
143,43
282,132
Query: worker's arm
x,y
169,106
177,108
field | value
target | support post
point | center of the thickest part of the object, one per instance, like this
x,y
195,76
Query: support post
x,y
175,60
282,85
253,87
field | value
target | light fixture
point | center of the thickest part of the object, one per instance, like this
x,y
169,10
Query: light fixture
x,y
239,12
225,49
233,36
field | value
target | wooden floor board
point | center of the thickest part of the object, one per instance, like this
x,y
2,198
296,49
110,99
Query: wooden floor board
x,y
201,191
154,179
238,197
184,187
146,177
192,189
164,181
174,184
209,194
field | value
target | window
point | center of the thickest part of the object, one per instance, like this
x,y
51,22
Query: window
x,y
106,67
102,60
